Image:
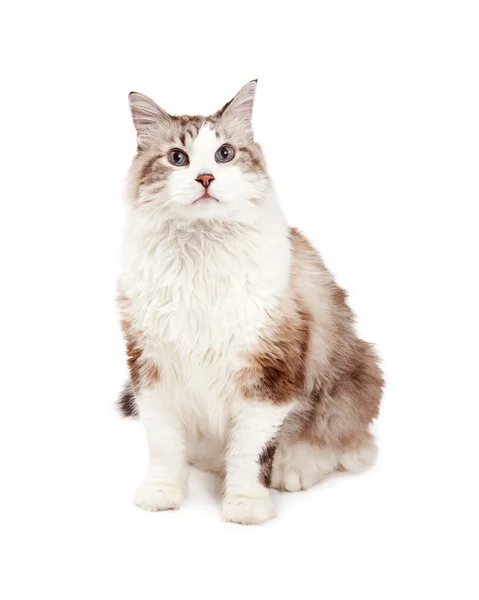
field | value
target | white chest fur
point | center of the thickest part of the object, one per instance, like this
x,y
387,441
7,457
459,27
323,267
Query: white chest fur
x,y
201,296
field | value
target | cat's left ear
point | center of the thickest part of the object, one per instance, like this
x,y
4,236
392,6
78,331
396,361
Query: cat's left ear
x,y
238,112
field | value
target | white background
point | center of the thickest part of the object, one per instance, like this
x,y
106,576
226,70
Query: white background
x,y
368,115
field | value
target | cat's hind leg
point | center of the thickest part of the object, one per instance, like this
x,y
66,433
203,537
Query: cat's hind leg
x,y
336,436
300,465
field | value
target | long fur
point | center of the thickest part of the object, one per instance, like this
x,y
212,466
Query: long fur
x,y
241,347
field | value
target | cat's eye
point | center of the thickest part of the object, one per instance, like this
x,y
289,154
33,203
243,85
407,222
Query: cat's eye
x,y
178,157
224,153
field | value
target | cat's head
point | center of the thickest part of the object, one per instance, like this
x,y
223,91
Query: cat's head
x,y
198,167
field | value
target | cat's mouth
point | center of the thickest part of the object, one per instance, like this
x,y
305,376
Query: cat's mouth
x,y
205,197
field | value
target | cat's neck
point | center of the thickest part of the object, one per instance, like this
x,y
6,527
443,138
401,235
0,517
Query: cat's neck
x,y
219,245
269,223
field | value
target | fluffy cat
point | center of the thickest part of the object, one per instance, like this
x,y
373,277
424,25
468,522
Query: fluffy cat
x,y
242,352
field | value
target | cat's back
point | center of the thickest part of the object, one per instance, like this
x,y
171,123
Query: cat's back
x,y
310,277
332,331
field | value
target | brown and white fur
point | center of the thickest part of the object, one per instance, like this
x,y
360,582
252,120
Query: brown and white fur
x,y
242,352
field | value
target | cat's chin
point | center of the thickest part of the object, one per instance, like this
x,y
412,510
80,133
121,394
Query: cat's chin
x,y
205,199
205,202
206,208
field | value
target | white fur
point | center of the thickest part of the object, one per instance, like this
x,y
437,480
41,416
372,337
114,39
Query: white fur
x,y
200,288
357,462
254,425
164,484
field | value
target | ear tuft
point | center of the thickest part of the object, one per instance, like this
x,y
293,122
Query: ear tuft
x,y
146,115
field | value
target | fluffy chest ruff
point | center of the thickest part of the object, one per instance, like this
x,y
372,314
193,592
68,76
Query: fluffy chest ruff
x,y
195,302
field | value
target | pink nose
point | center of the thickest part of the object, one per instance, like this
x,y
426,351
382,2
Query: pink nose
x,y
205,179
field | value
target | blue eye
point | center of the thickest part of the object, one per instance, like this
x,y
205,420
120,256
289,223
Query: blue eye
x,y
224,153
178,157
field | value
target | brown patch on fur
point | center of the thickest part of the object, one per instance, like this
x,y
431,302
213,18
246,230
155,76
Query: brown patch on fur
x,y
266,459
147,169
143,371
191,121
277,372
250,157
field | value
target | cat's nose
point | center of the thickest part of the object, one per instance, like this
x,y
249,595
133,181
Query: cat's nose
x,y
205,179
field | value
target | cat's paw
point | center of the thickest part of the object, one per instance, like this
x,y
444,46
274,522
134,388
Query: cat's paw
x,y
248,511
301,466
154,497
296,478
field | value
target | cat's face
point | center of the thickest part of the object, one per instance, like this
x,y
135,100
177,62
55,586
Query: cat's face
x,y
198,167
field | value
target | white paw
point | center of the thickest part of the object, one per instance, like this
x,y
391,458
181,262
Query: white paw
x,y
301,466
356,462
153,496
291,480
248,511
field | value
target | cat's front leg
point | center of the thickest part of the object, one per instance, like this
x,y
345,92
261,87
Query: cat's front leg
x,y
255,425
163,487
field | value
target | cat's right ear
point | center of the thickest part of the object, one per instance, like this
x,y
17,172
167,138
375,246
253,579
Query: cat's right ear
x,y
147,117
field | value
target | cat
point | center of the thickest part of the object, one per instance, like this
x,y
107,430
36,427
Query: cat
x,y
242,353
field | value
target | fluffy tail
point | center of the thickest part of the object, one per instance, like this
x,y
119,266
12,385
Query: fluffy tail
x,y
127,402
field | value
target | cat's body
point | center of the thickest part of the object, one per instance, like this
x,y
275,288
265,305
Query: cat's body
x,y
242,353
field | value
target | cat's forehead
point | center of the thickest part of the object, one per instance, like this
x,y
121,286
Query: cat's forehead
x,y
205,140
198,132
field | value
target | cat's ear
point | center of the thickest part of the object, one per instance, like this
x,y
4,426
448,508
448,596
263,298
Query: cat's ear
x,y
238,112
147,116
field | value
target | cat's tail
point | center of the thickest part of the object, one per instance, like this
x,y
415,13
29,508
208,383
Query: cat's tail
x,y
127,403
